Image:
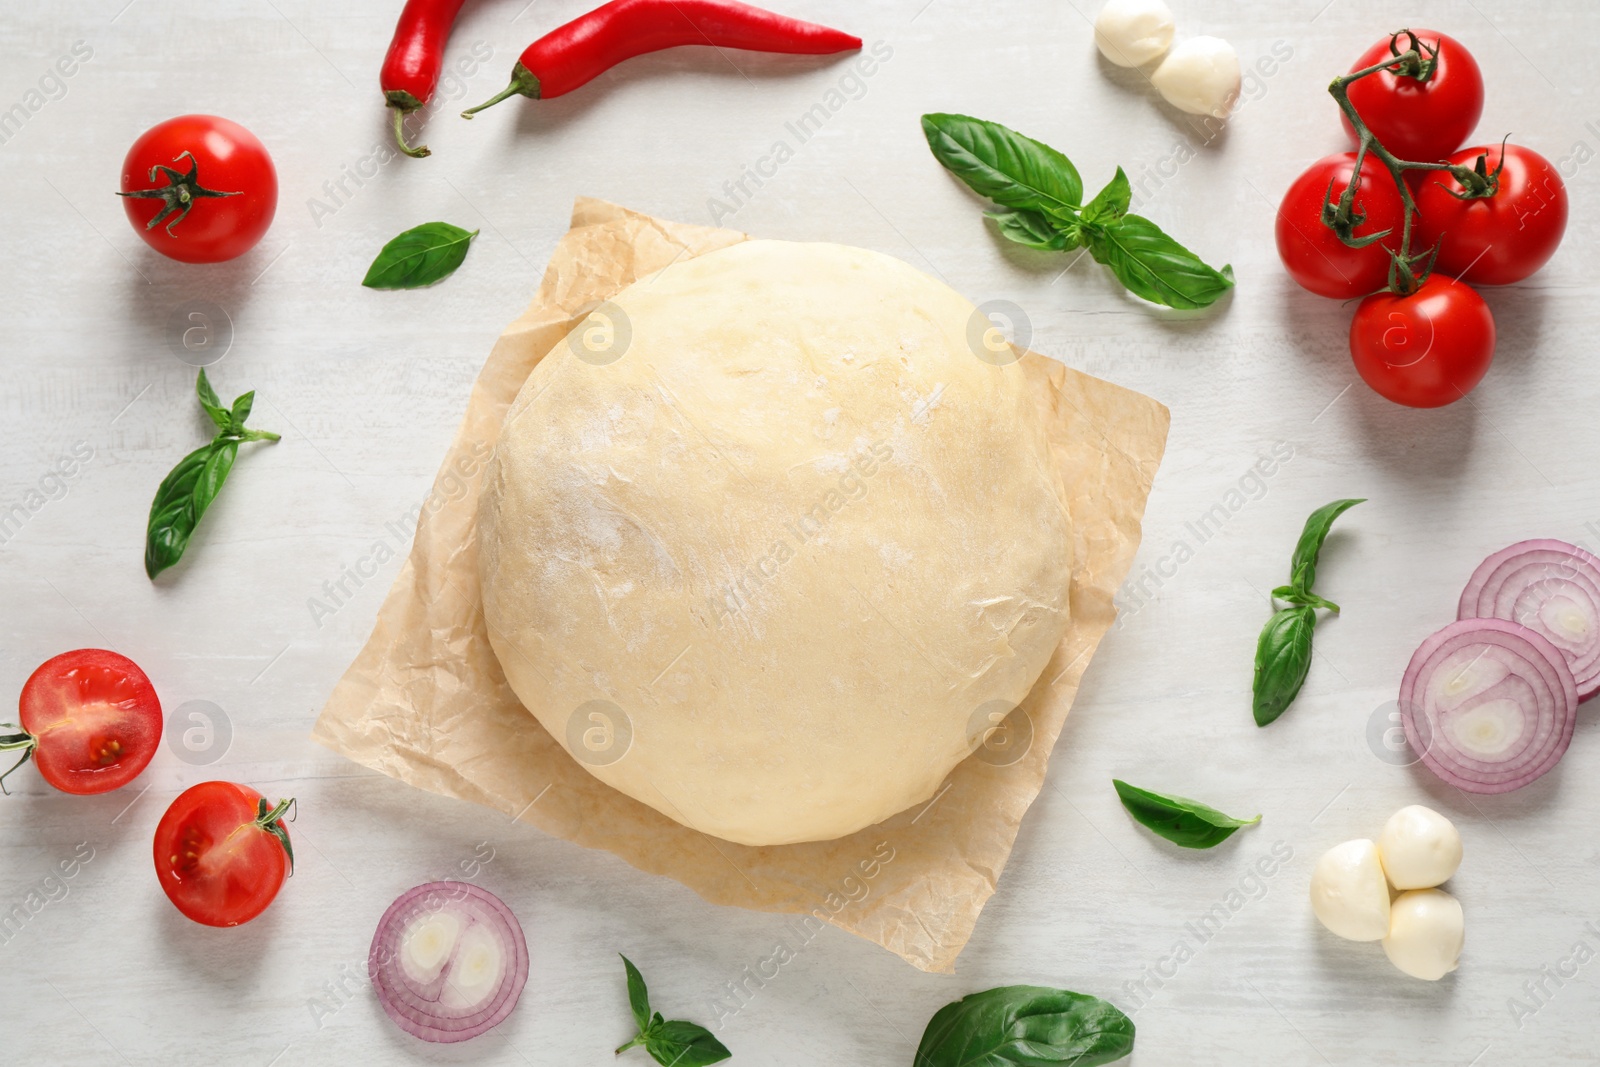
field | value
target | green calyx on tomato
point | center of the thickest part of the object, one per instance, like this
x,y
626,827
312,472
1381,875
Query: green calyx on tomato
x,y
1418,61
179,194
10,742
272,822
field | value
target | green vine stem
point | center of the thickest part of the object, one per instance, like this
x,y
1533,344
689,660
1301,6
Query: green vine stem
x,y
1417,61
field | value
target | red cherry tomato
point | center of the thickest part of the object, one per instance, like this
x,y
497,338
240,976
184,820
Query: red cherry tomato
x,y
222,853
1502,238
90,719
214,176
1427,349
1423,121
1313,253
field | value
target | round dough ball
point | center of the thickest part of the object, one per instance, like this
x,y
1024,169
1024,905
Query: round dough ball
x,y
772,539
1420,848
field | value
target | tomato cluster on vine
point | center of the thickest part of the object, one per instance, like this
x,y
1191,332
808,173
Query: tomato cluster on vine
x,y
1410,217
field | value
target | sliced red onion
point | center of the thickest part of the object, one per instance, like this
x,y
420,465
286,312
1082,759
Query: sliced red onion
x,y
1548,586
448,961
1489,705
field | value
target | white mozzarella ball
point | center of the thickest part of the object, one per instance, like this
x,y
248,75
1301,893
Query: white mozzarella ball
x,y
1348,892
1419,847
1131,33
1200,76
1426,932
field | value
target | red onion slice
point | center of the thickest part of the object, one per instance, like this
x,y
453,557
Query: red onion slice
x,y
1488,705
448,961
1548,586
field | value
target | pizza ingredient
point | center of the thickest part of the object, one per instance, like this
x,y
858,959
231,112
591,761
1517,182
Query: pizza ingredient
x,y
90,720
1426,933
1040,195
1504,228
448,961
588,46
1419,848
185,494
416,56
1348,258
1131,33
1424,106
1180,820
1424,348
1488,705
419,257
1200,76
1348,891
1283,650
671,1042
1550,587
240,190
1025,1025
222,853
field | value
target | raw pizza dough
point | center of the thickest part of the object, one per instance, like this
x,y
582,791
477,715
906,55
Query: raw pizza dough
x,y
767,540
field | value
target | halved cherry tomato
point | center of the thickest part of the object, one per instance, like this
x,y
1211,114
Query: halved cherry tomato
x,y
1498,239
199,188
90,719
1313,254
1422,121
1427,349
222,852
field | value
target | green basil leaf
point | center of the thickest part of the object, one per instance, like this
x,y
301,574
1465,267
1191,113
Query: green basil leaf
x,y
181,501
1178,819
638,995
1153,266
1012,170
1110,203
676,1043
1283,659
241,411
1032,229
211,401
1025,1026
419,257
1291,595
1303,568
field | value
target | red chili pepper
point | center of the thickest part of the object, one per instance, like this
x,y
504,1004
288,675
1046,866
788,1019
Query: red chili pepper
x,y
591,44
416,55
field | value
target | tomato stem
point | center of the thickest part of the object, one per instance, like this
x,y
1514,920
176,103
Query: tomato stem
x,y
26,742
272,822
178,194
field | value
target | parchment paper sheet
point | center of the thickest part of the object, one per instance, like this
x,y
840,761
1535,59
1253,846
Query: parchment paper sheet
x,y
426,702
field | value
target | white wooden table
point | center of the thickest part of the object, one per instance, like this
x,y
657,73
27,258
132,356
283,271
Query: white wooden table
x,y
367,387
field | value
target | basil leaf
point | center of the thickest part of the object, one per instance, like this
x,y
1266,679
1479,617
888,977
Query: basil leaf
x,y
240,411
1153,266
181,501
638,995
676,1043
1303,568
1025,1026
1178,819
211,402
1291,595
1012,170
1283,659
1031,229
419,257
1110,203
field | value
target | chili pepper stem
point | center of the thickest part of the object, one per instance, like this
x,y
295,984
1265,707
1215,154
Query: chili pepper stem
x,y
420,151
524,82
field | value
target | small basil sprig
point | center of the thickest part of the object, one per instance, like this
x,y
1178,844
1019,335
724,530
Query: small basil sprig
x,y
1283,651
419,257
186,493
1025,1026
1042,197
673,1042
1178,819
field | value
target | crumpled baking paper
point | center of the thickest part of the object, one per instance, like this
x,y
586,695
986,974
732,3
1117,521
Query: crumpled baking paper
x,y
425,701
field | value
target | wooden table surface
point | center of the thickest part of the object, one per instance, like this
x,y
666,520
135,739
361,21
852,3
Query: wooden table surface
x,y
367,387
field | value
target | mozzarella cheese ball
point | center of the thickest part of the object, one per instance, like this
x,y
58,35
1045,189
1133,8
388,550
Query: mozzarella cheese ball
x,y
1419,847
1131,33
1348,892
1426,932
1200,76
